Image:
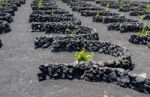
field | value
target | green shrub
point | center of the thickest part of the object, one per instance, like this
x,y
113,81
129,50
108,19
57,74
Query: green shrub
x,y
148,6
122,3
108,4
97,14
144,31
141,17
3,2
40,5
72,33
52,13
82,56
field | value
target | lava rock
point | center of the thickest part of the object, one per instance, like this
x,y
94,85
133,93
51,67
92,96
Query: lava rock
x,y
46,41
94,72
138,39
4,27
92,46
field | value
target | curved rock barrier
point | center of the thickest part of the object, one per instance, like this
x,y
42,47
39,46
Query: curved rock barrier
x,y
138,39
46,41
35,7
112,19
139,12
56,11
91,46
132,26
92,8
52,18
101,12
95,73
77,42
60,28
66,28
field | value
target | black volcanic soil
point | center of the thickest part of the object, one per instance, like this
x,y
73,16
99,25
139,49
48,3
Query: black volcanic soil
x,y
19,62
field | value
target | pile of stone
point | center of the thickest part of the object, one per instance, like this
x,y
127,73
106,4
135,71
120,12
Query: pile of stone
x,y
96,73
10,6
113,26
126,26
47,7
6,17
112,19
76,70
49,18
137,13
18,2
131,27
112,4
47,41
87,9
90,8
131,9
77,6
147,17
56,11
52,18
67,29
139,39
7,10
60,28
4,27
101,13
90,45
38,27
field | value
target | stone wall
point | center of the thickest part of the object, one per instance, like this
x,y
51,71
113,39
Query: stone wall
x,y
96,73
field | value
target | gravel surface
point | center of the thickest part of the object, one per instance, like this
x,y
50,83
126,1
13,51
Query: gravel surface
x,y
19,62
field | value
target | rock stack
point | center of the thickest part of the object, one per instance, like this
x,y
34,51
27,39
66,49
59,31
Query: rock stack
x,y
139,39
7,11
96,73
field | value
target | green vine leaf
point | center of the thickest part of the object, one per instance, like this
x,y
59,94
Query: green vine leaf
x,y
82,56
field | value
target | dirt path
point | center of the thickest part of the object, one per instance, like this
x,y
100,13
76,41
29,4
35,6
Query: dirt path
x,y
19,62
